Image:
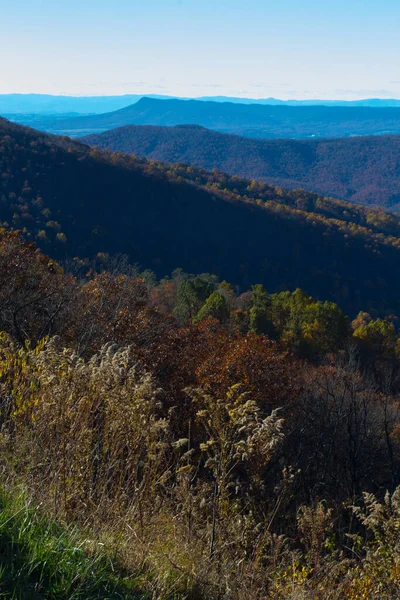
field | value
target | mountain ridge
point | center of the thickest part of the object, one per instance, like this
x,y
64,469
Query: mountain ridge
x,y
249,120
363,170
19,103
73,200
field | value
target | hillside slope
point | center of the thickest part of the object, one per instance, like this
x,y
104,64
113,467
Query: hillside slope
x,y
365,170
74,201
250,120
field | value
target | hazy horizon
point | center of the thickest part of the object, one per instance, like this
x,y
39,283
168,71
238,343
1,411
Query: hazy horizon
x,y
207,96
341,51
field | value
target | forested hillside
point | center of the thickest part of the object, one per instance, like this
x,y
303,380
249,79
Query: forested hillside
x,y
250,120
76,201
365,170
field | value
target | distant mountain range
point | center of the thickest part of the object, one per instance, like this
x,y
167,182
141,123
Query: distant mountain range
x,y
372,102
250,120
77,201
49,104
44,104
365,170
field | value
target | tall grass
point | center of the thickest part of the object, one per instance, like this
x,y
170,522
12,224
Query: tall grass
x,y
201,513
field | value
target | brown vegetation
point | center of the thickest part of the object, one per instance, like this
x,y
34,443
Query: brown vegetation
x,y
225,463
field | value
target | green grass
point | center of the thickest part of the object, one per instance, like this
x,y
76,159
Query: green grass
x,y
40,559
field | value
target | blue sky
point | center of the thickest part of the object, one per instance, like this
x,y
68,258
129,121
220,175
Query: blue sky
x,y
254,48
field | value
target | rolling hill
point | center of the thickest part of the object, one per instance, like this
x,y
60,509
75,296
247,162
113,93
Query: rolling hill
x,y
250,120
77,201
364,170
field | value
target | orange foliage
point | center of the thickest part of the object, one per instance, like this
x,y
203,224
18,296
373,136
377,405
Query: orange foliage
x,y
209,356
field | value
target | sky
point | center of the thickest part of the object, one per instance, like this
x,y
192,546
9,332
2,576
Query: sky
x,y
296,49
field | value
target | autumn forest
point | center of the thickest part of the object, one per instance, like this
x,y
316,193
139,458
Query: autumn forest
x,y
199,382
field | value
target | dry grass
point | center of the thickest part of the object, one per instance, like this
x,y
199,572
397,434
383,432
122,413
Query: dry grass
x,y
92,441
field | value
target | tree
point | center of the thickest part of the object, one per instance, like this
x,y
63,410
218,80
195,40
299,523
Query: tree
x,y
260,312
192,294
114,309
325,327
215,307
310,328
378,337
35,294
